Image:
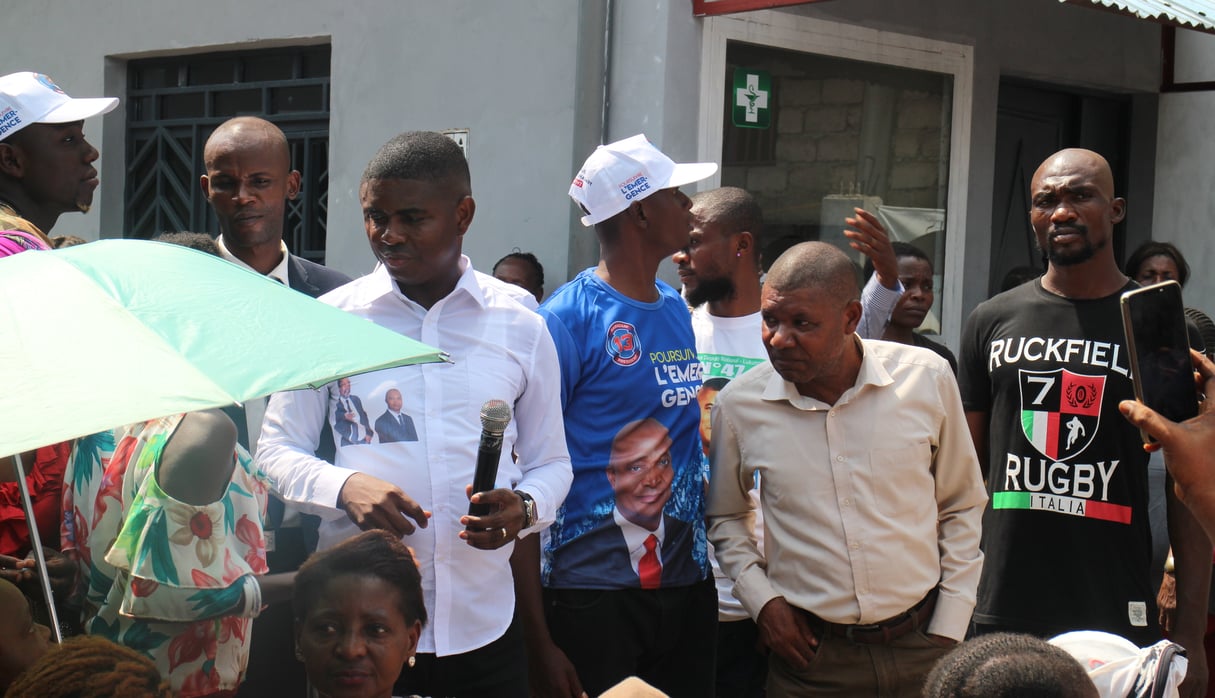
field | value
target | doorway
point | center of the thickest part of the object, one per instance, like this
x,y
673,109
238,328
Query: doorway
x,y
1033,121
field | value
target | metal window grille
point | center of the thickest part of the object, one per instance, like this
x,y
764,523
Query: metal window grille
x,y
175,103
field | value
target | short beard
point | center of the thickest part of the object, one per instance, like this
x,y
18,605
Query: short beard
x,y
1067,259
710,290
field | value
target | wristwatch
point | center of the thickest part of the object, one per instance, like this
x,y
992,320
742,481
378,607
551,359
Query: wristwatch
x,y
529,509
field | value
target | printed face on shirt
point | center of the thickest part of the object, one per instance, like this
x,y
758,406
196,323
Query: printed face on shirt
x,y
706,398
22,641
806,332
393,399
344,387
416,229
354,639
640,473
248,182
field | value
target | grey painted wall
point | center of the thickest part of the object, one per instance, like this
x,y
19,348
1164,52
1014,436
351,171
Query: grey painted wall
x,y
1185,170
527,79
505,71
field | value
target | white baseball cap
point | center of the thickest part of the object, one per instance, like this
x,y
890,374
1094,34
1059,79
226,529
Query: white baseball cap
x,y
617,174
32,98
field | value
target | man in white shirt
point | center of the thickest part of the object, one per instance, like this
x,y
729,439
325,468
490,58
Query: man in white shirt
x,y
870,576
417,206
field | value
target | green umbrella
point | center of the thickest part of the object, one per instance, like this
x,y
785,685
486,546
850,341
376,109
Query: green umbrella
x,y
120,331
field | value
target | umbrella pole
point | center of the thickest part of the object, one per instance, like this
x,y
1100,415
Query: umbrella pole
x,y
36,544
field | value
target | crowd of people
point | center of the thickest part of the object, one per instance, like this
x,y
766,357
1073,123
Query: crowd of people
x,y
756,485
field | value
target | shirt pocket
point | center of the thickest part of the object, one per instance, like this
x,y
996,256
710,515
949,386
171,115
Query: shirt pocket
x,y
901,480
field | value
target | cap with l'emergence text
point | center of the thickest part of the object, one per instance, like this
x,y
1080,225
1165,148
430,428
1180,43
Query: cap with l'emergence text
x,y
617,174
32,98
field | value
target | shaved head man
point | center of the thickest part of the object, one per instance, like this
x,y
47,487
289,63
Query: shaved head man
x,y
811,306
864,582
1084,177
1047,519
248,182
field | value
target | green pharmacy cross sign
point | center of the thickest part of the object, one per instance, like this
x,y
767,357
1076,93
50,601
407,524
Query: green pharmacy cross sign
x,y
752,96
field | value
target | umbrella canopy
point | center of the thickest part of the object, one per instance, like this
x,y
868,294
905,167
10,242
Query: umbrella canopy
x,y
120,331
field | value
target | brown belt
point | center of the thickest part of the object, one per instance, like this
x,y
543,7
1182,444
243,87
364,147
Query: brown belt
x,y
883,632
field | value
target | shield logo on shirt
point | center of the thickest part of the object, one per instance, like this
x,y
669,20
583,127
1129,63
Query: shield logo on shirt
x,y
1060,411
622,343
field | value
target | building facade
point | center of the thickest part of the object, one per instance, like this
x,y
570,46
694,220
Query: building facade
x,y
932,111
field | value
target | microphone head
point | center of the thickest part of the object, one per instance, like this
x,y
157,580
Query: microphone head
x,y
495,415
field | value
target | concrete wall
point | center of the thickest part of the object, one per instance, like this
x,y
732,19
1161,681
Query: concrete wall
x,y
1185,169
527,80
505,71
1043,40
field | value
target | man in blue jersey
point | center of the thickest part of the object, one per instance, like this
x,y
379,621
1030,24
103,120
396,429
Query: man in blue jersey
x,y
629,367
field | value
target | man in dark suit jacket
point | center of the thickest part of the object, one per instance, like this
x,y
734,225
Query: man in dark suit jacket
x,y
350,419
394,425
248,182
610,555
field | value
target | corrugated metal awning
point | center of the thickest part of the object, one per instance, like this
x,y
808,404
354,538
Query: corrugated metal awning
x,y
1187,14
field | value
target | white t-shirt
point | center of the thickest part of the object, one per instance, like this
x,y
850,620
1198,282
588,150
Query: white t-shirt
x,y
728,347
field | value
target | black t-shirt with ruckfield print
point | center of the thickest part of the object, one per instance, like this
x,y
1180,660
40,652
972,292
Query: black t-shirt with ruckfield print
x,y
1066,536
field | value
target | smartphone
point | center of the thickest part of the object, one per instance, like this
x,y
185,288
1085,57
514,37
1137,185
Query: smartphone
x,y
1156,334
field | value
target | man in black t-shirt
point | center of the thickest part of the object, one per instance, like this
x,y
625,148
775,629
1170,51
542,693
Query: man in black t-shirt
x,y
1044,365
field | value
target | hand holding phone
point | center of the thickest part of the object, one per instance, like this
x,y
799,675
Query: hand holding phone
x,y
1156,334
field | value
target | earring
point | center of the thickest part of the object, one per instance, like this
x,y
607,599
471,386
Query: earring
x,y
412,660
738,253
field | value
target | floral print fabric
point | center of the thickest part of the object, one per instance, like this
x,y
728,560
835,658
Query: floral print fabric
x,y
178,582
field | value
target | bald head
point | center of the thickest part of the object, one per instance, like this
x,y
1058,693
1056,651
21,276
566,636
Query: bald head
x,y
1077,161
248,182
1073,211
814,265
246,132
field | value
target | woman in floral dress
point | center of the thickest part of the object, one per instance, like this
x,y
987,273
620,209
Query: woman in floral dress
x,y
165,521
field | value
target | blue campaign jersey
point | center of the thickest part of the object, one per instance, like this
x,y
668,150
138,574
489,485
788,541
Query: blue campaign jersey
x,y
624,362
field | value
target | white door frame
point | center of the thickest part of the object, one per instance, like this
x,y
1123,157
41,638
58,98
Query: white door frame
x,y
795,32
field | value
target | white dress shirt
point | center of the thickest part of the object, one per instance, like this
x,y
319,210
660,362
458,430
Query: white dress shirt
x,y
499,350
869,504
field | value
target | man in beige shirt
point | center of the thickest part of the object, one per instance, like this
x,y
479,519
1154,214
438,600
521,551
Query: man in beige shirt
x,y
872,495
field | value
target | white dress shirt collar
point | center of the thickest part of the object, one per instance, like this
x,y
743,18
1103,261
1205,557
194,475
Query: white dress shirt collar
x,y
278,273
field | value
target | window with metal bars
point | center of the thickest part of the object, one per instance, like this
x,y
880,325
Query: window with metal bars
x,y
173,105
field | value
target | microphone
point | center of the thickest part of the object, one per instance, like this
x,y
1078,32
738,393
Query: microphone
x,y
495,415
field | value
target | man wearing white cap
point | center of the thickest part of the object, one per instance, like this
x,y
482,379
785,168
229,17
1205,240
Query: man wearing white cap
x,y
45,163
624,599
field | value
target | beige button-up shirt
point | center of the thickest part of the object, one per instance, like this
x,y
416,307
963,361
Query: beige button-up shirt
x,y
869,503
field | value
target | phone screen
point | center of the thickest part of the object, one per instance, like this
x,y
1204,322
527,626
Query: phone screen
x,y
1160,350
